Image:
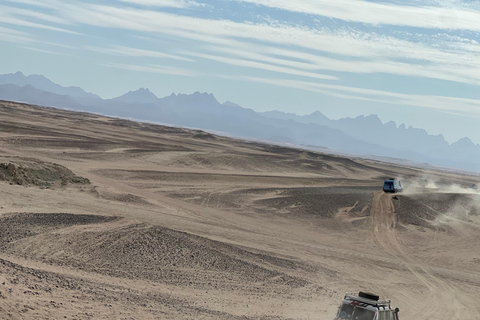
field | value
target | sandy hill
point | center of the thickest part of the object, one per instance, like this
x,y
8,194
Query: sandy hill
x,y
104,218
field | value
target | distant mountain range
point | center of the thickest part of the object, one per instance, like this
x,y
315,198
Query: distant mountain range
x,y
363,136
41,83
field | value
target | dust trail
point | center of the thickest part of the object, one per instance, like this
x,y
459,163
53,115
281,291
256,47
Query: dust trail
x,y
427,184
467,200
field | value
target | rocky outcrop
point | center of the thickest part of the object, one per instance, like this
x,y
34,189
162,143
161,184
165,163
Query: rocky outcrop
x,y
23,171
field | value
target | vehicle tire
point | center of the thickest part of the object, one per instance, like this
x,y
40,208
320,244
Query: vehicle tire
x,y
367,295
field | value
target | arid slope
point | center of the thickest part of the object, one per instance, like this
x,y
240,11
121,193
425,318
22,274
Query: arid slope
x,y
103,218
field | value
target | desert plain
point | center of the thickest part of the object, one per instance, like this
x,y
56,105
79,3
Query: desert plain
x,y
106,218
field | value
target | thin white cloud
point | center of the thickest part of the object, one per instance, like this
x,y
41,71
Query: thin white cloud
x,y
134,52
13,31
165,3
154,69
467,107
35,3
223,32
11,35
4,18
263,66
143,37
313,62
432,17
12,11
47,51
60,45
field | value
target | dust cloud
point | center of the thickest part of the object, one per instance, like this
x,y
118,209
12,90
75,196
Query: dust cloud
x,y
464,200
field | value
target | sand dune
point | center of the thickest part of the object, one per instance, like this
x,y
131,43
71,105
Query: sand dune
x,y
103,218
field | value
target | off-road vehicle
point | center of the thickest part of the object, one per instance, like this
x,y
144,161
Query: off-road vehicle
x,y
365,306
392,185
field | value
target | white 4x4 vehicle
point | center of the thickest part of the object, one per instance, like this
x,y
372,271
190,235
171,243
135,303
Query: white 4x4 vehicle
x,y
365,306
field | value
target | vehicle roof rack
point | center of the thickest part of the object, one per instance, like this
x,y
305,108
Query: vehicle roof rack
x,y
377,303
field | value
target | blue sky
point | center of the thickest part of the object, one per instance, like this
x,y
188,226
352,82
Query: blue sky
x,y
414,62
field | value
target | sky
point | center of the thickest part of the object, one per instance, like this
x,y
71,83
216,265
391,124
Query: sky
x,y
410,61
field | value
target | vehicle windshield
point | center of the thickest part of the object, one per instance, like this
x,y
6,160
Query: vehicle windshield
x,y
363,314
345,312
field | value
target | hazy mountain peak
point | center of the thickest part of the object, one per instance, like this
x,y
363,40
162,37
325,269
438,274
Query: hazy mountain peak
x,y
230,104
318,115
42,83
141,95
38,76
204,94
374,119
205,97
391,124
15,78
144,92
464,142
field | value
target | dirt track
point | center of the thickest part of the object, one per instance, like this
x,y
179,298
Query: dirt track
x,y
151,222
445,301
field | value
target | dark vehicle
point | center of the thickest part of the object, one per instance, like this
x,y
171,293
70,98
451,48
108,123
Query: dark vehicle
x,y
365,306
392,185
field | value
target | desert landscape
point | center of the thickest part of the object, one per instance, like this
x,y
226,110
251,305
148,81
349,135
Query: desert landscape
x,y
106,218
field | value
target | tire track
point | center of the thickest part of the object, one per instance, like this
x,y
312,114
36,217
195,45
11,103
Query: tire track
x,y
7,200
441,301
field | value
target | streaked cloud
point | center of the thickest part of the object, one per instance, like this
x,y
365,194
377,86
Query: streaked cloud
x,y
34,3
469,107
154,69
464,71
263,66
16,17
47,51
454,60
431,17
11,35
13,11
134,52
164,3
